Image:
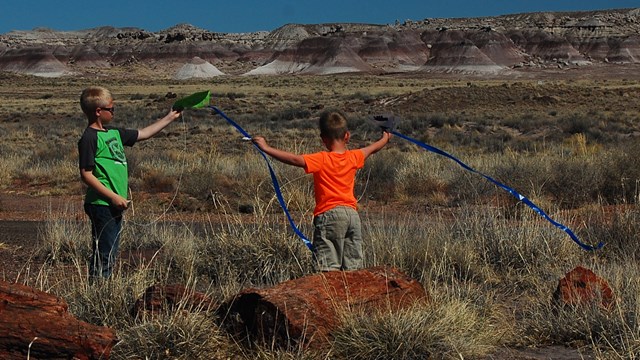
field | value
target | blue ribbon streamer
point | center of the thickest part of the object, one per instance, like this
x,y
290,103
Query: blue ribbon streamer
x,y
506,188
274,179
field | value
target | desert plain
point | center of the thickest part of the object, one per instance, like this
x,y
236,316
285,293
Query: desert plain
x,y
205,212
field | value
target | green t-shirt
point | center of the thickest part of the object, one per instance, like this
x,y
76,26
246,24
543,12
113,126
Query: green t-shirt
x,y
103,153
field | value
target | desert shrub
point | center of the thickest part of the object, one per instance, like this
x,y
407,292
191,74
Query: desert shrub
x,y
137,96
420,122
262,253
420,177
378,178
104,303
470,188
227,253
470,245
526,174
619,230
291,114
548,323
235,95
453,329
575,181
580,124
180,335
56,173
513,248
156,181
206,174
620,172
403,241
64,239
202,182
617,124
359,95
9,166
609,176
527,123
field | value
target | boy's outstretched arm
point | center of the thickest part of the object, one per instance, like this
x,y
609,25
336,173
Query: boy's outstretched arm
x,y
372,148
280,155
149,131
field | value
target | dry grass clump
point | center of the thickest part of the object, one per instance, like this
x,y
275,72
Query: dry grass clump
x,y
618,228
445,329
9,165
63,238
179,335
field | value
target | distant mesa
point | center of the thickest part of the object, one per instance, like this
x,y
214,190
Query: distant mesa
x,y
489,45
33,61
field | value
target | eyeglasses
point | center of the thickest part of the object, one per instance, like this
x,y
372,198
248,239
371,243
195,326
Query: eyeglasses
x,y
108,109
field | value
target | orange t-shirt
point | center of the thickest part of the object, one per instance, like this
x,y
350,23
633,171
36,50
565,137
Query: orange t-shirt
x,y
334,178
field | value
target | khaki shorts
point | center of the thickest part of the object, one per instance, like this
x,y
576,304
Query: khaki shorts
x,y
337,237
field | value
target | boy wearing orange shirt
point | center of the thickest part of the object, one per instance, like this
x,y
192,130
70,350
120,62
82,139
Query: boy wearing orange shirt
x,y
337,235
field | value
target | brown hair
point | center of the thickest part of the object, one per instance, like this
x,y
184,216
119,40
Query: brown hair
x,y
94,97
333,125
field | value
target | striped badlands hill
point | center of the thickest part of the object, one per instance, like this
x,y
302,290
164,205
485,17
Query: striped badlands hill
x,y
490,45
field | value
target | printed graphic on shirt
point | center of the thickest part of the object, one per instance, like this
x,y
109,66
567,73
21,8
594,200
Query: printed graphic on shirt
x,y
117,150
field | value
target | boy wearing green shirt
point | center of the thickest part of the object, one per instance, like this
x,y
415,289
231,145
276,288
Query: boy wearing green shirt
x,y
103,168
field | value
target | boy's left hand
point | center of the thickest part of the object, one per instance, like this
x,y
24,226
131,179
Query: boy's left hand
x,y
387,122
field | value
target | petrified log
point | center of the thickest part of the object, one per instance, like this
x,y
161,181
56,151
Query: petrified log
x,y
305,310
37,325
582,286
162,298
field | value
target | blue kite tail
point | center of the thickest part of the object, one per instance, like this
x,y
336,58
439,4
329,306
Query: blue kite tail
x,y
274,180
506,188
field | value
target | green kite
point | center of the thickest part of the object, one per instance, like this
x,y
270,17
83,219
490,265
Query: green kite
x,y
193,101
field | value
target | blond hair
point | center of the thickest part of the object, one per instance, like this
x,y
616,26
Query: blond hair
x,y
94,97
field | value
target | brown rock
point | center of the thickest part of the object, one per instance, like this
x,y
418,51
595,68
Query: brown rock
x,y
582,286
37,324
306,310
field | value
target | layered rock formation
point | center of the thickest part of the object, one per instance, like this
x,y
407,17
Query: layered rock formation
x,y
197,68
476,45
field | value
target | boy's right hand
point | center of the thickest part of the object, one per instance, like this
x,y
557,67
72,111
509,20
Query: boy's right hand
x,y
119,202
260,141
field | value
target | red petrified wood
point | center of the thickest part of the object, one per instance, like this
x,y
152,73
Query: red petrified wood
x,y
36,325
307,309
582,286
158,299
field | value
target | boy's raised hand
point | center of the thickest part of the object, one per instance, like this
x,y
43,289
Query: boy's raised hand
x,y
260,141
174,113
387,122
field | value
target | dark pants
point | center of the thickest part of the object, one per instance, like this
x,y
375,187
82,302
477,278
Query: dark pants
x,y
106,224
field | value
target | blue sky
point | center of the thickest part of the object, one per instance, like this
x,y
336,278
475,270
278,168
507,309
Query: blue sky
x,y
248,16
